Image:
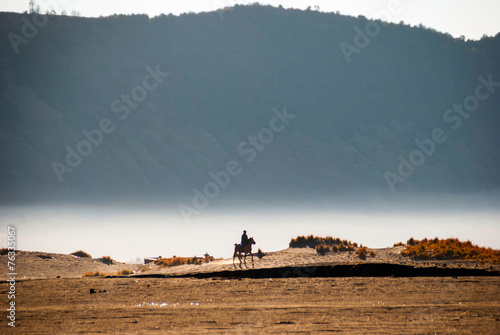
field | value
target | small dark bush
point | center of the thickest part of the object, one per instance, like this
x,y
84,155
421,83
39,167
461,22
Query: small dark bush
x,y
322,249
207,258
94,274
412,241
342,247
260,254
81,254
107,260
362,252
125,272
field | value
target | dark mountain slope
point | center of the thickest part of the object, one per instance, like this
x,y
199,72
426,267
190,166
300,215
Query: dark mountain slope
x,y
352,120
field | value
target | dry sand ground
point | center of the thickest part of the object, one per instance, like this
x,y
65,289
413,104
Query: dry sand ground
x,y
50,305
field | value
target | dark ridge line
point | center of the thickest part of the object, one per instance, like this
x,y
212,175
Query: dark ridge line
x,y
358,270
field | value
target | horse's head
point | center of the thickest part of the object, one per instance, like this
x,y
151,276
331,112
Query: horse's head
x,y
251,240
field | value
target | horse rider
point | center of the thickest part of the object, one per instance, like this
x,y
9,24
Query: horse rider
x,y
244,239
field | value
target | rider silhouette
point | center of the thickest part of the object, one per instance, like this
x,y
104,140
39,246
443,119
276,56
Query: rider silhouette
x,y
244,239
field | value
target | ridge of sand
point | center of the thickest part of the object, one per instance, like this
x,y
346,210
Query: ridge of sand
x,y
40,265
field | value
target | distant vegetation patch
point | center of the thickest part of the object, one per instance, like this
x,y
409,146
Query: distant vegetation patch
x,y
449,249
363,252
94,274
312,241
125,272
322,249
324,245
4,251
107,260
174,261
81,253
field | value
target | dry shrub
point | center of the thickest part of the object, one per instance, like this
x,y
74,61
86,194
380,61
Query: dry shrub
x,y
322,249
362,252
4,251
208,258
448,249
312,241
94,274
303,242
125,272
81,254
260,254
398,244
107,260
175,261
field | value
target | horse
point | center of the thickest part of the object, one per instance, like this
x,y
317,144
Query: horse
x,y
247,249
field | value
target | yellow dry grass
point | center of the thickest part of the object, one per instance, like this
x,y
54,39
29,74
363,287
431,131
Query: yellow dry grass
x,y
448,249
175,261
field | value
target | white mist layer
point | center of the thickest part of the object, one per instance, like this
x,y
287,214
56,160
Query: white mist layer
x,y
127,234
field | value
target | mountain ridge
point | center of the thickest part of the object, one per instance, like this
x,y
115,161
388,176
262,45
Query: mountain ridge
x,y
353,120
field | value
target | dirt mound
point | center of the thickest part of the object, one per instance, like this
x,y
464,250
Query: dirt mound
x,y
36,265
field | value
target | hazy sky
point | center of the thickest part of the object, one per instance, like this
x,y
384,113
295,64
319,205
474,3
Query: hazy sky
x,y
457,17
125,235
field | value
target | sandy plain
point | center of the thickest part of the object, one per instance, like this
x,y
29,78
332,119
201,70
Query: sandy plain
x,y
156,301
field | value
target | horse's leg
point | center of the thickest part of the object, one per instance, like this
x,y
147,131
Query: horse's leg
x,y
252,260
234,255
246,260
